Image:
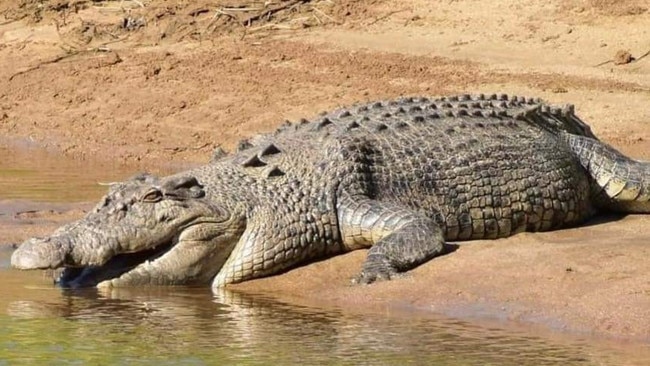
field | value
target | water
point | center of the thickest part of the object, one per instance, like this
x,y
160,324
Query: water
x,y
40,324
32,174
190,326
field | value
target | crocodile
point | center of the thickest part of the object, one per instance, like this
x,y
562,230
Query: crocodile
x,y
400,177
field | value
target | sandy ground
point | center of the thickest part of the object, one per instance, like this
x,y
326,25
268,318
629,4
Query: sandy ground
x,y
165,83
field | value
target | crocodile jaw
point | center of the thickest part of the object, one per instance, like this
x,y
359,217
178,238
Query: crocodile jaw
x,y
91,276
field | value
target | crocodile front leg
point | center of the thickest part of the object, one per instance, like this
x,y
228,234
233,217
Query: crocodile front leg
x,y
400,238
277,238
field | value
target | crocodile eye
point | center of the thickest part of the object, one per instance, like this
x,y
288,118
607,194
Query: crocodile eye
x,y
153,195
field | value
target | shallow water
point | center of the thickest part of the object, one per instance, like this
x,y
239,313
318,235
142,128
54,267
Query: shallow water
x,y
40,324
34,174
186,326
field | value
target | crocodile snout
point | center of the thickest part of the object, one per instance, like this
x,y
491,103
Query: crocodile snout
x,y
38,253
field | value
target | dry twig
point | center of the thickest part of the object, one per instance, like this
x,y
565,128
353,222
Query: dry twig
x,y
603,63
70,53
242,9
178,149
386,16
272,10
325,15
642,56
270,26
38,66
139,3
14,20
636,59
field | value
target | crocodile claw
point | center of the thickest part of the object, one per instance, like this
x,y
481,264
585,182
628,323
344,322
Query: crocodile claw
x,y
377,268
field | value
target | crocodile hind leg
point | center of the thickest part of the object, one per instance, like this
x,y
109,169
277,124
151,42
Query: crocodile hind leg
x,y
399,238
621,184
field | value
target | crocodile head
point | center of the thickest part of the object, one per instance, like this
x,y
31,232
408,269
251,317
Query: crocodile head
x,y
138,222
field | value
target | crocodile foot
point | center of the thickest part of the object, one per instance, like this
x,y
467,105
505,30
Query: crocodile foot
x,y
376,268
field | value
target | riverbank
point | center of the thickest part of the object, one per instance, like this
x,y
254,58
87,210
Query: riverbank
x,y
157,86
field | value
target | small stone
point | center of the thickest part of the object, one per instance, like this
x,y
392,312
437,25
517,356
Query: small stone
x,y
623,57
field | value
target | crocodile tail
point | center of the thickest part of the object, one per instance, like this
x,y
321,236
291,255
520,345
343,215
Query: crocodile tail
x,y
620,183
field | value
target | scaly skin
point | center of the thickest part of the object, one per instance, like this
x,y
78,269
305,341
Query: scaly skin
x,y
400,177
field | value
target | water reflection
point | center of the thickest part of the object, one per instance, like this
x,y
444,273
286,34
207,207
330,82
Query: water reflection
x,y
5,256
192,326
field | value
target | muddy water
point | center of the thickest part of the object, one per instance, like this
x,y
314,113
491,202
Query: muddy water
x,y
40,324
